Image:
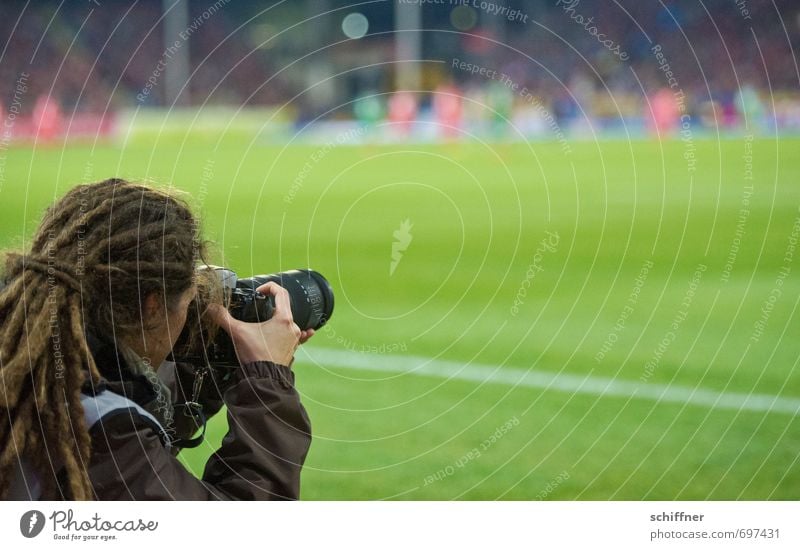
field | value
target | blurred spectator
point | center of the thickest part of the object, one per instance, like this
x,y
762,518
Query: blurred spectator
x,y
447,110
402,112
736,70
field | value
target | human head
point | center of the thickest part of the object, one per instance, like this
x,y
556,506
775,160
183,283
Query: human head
x,y
114,258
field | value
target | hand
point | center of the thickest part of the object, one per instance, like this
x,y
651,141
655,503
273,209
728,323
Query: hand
x,y
275,340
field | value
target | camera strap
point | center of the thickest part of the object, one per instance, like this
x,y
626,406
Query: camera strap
x,y
194,410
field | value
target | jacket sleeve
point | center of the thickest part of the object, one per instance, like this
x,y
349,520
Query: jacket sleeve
x,y
260,458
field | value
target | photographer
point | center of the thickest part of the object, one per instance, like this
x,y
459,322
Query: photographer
x,y
90,406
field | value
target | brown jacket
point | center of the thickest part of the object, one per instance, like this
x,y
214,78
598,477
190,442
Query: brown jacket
x,y
261,455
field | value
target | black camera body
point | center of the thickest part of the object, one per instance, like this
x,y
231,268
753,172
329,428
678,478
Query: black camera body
x,y
310,295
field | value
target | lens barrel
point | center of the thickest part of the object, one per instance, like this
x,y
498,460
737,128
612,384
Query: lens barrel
x,y
310,295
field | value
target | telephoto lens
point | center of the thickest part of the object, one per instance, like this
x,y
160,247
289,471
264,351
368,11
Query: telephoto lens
x,y
310,296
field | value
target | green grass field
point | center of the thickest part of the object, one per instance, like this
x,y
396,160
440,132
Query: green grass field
x,y
479,213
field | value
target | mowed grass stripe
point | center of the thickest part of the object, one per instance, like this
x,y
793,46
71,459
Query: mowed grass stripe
x,y
569,383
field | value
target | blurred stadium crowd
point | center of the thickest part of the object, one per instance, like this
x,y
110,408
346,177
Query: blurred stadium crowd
x,y
559,66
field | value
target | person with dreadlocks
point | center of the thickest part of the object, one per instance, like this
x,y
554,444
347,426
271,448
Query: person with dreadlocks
x,y
90,408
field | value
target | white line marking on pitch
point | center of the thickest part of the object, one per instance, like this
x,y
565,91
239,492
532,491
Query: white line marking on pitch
x,y
570,383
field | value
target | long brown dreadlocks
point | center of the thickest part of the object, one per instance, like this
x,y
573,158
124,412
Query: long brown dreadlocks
x,y
97,253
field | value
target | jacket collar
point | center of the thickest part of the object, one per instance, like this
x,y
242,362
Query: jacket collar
x,y
119,376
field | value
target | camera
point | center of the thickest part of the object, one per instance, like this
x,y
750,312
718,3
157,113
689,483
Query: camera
x,y
310,295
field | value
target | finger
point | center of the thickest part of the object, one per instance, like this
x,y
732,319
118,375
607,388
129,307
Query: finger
x,y
306,335
283,306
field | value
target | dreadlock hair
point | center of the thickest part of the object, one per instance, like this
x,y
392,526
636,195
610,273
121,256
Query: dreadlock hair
x,y
95,256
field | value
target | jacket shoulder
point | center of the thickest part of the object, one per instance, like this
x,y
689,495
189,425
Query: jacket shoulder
x,y
101,408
